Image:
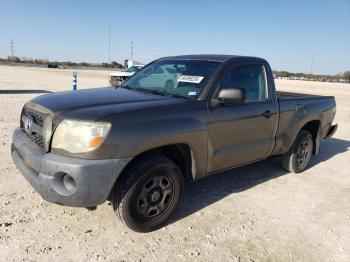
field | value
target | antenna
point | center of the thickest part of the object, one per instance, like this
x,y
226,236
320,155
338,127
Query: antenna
x,y
109,44
12,49
131,50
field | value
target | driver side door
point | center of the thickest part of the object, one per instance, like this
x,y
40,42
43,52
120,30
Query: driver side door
x,y
240,133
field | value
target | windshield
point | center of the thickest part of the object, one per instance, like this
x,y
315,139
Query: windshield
x,y
183,78
133,69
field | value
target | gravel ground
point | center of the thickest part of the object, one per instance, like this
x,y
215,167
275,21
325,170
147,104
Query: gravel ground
x,y
253,213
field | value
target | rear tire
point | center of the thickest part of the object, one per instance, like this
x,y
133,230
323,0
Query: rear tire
x,y
298,157
169,84
149,193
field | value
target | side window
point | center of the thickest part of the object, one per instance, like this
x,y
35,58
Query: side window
x,y
251,78
158,70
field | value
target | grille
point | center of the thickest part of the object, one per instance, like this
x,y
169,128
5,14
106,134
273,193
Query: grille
x,y
37,139
35,133
35,115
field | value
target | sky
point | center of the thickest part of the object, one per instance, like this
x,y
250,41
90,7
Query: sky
x,y
289,34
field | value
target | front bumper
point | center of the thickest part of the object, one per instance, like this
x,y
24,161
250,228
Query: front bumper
x,y
65,180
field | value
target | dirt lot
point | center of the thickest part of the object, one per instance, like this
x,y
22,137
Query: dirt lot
x,y
253,213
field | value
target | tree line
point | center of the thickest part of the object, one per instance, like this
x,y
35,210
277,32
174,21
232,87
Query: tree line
x,y
57,64
282,74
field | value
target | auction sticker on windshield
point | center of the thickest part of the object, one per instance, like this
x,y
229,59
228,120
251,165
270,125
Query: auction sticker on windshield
x,y
191,79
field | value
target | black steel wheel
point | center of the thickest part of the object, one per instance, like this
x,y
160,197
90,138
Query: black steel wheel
x,y
304,152
149,193
298,157
155,196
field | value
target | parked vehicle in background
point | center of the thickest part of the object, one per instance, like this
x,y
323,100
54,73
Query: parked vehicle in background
x,y
117,77
136,145
159,77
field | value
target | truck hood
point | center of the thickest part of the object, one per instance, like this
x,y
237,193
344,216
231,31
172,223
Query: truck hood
x,y
94,104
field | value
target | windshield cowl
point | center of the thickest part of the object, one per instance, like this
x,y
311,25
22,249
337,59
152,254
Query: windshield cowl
x,y
152,91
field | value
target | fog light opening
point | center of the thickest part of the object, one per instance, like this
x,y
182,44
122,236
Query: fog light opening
x,y
69,183
64,184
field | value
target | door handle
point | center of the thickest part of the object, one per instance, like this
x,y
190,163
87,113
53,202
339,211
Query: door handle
x,y
267,114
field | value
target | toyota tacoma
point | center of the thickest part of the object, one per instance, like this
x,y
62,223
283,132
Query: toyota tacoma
x,y
138,144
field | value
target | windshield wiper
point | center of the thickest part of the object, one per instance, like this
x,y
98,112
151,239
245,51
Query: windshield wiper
x,y
156,92
127,87
152,91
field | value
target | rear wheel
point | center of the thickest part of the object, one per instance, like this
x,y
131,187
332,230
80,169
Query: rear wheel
x,y
298,157
169,84
149,194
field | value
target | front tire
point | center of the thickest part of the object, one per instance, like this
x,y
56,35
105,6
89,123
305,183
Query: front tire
x,y
149,193
298,157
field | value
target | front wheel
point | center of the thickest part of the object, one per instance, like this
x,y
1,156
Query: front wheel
x,y
298,157
149,194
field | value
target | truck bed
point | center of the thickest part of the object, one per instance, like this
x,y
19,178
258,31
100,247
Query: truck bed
x,y
296,109
290,98
283,94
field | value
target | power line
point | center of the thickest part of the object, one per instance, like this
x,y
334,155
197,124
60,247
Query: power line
x,y
109,44
312,61
131,51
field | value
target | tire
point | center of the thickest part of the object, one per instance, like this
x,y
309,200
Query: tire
x,y
148,194
169,84
115,82
298,157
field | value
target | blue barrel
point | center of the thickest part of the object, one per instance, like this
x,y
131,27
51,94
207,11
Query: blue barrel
x,y
74,80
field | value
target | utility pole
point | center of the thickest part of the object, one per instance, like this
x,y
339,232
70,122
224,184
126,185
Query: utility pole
x,y
131,50
109,44
12,49
312,61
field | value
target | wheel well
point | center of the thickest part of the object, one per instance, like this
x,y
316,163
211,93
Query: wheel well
x,y
179,153
312,127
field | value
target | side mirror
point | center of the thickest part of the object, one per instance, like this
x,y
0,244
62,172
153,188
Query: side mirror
x,y
231,95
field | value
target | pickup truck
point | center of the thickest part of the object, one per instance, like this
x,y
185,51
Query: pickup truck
x,y
137,145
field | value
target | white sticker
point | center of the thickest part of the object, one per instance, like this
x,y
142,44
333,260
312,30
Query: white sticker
x,y
192,93
191,79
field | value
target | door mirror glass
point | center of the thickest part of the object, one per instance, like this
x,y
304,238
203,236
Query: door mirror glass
x,y
231,95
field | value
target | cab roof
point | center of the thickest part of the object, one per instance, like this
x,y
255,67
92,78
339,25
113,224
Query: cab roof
x,y
213,57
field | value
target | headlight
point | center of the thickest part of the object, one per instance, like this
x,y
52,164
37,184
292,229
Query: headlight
x,y
78,136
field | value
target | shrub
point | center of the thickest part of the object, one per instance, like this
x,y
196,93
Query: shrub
x,y
52,65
